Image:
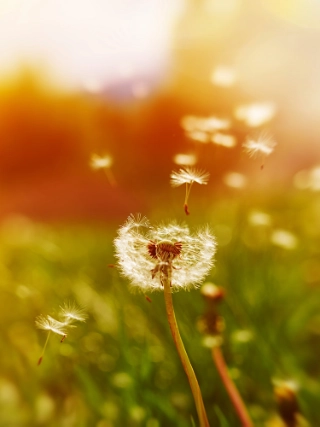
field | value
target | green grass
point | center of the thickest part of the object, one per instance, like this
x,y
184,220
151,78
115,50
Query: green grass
x,y
120,368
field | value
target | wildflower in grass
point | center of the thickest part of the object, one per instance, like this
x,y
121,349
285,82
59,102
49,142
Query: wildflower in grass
x,y
69,314
145,252
103,162
188,176
288,406
167,258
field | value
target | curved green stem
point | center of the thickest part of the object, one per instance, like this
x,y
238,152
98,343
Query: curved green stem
x,y
232,390
183,354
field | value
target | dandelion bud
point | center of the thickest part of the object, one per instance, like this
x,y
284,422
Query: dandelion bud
x,y
286,398
212,292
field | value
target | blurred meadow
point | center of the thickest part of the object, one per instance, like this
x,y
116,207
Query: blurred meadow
x,y
99,103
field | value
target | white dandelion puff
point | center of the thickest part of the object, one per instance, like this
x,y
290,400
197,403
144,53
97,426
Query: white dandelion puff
x,y
145,253
188,176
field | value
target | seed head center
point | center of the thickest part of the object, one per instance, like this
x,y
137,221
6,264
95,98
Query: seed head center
x,y
164,250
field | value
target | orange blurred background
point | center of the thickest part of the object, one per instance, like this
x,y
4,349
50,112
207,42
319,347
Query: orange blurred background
x,y
118,79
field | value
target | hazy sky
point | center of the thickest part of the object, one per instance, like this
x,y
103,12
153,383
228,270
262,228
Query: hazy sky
x,y
86,41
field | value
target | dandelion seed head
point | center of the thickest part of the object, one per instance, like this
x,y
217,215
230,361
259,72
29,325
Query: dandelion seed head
x,y
264,144
141,251
189,175
100,162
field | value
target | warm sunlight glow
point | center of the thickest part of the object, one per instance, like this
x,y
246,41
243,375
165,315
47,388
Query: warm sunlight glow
x,y
88,41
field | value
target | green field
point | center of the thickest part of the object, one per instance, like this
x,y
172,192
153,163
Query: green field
x,y
120,367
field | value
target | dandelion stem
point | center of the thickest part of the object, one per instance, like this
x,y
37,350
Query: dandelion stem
x,y
44,348
231,388
183,354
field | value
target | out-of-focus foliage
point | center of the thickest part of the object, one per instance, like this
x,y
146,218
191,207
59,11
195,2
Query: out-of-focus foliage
x,y
120,367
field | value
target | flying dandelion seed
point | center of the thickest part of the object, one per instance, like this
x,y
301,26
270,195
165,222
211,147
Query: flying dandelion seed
x,y
69,314
50,324
188,176
262,145
103,162
144,253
